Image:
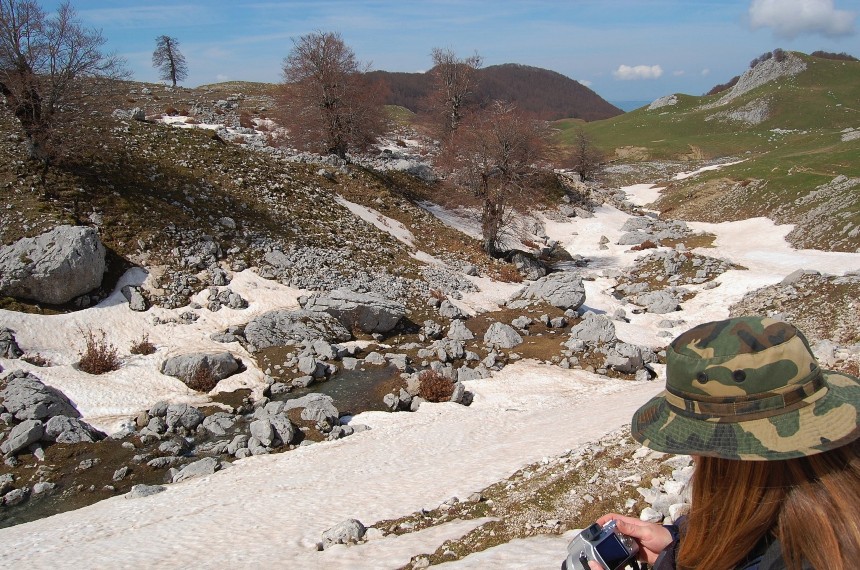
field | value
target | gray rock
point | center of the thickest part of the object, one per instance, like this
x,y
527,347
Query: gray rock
x,y
15,496
174,447
284,429
183,415
184,366
263,431
500,335
22,436
43,487
136,301
521,322
7,482
563,290
27,398
157,425
793,277
365,312
464,373
459,331
658,302
8,346
199,468
634,238
238,442
528,265
451,311
317,408
349,531
140,491
158,409
219,423
63,429
54,267
282,328
624,357
594,329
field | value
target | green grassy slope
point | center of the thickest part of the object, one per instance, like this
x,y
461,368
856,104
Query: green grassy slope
x,y
797,148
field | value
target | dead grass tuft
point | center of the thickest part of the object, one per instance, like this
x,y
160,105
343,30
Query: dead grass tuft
x,y
99,356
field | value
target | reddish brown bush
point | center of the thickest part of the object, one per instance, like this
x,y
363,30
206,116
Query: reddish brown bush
x,y
202,379
434,387
245,120
171,111
509,274
437,294
142,346
99,356
647,244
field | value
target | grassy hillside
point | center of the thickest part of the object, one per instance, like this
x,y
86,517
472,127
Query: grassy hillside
x,y
798,147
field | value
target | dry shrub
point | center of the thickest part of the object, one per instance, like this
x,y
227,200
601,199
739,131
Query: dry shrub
x,y
647,244
437,294
171,111
142,346
192,121
99,355
245,120
530,244
509,274
400,143
434,387
202,379
239,139
36,360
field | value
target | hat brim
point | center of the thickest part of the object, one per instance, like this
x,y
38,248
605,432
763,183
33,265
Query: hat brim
x,y
827,421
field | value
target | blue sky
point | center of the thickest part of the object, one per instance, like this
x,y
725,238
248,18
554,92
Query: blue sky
x,y
622,49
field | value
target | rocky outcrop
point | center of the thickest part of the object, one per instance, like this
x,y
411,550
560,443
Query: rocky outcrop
x,y
54,267
563,290
500,335
27,398
285,327
184,366
594,329
8,345
365,312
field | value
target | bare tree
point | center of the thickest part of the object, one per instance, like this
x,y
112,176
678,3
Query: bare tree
x,y
494,153
454,83
585,158
326,100
44,62
169,60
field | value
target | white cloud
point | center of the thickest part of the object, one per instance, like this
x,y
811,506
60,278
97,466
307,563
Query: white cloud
x,y
706,72
585,82
626,72
221,78
678,72
791,18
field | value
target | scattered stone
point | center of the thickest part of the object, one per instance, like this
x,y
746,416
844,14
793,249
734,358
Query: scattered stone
x,y
347,532
54,267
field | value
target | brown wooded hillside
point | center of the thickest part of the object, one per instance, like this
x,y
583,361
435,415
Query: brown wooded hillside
x,y
547,94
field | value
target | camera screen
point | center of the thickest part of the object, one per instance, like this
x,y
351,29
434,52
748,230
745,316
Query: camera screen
x,y
612,551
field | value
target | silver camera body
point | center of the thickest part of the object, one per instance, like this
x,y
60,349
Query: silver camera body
x,y
605,545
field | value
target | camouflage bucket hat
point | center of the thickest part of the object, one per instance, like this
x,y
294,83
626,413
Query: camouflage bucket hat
x,y
748,388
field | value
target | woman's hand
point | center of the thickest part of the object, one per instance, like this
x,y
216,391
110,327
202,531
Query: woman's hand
x,y
652,537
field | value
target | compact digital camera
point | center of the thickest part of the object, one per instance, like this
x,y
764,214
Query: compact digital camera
x,y
605,545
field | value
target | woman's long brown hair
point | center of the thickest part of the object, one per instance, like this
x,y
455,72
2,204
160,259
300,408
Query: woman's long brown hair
x,y
811,504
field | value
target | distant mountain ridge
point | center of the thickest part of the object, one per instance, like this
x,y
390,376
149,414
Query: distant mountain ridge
x,y
547,94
